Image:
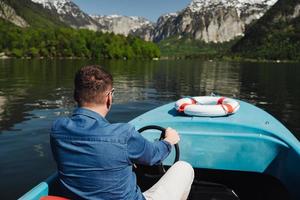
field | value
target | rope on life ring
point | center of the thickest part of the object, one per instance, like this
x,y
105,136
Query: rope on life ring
x,y
207,106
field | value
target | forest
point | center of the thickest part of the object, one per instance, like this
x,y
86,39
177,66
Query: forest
x,y
55,42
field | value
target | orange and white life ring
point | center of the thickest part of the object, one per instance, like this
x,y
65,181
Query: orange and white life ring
x,y
207,106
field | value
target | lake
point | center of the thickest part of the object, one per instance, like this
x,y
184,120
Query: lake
x,y
35,92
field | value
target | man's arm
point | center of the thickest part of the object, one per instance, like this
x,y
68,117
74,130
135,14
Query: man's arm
x,y
142,151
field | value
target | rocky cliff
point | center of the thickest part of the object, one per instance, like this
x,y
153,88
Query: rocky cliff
x,y
9,14
117,24
211,20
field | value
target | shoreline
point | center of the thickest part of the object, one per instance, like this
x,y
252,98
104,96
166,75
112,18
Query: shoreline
x,y
162,58
226,58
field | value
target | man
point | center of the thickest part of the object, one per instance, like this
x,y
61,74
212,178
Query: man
x,y
95,158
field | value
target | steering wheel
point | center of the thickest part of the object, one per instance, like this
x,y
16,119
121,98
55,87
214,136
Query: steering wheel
x,y
159,168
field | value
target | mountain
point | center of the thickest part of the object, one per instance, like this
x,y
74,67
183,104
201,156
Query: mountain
x,y
137,26
25,13
69,13
211,20
45,13
275,36
49,13
215,21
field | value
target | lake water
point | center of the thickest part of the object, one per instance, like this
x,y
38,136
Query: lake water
x,y
34,93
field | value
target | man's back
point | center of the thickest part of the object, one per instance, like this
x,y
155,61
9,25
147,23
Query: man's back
x,y
95,157
92,157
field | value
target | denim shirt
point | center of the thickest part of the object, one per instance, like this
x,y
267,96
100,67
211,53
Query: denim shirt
x,y
95,158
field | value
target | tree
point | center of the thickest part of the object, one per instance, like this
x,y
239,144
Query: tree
x,y
33,52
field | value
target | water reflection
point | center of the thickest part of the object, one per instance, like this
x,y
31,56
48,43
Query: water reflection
x,y
169,80
274,87
2,102
29,85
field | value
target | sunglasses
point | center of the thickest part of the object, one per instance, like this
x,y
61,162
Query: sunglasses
x,y
111,92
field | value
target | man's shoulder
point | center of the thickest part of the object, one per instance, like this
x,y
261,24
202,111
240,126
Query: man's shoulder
x,y
58,123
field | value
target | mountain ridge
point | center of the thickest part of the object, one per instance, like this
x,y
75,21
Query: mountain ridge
x,y
206,20
275,35
69,13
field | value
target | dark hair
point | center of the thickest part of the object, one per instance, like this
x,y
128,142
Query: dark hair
x,y
91,85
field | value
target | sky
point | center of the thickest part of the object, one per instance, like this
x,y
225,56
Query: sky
x,y
150,9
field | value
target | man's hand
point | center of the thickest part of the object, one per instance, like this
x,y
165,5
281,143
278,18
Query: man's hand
x,y
172,136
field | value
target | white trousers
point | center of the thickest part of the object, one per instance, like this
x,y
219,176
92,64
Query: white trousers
x,y
175,184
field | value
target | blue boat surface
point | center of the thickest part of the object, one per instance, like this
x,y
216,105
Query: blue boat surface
x,y
249,148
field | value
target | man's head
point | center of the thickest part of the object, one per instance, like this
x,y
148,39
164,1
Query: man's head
x,y
93,86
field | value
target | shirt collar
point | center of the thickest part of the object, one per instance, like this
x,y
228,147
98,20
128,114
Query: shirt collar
x,y
88,113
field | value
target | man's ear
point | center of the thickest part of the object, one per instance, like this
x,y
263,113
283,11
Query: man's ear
x,y
108,102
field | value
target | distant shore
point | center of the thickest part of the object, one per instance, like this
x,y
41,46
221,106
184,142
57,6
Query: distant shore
x,y
227,58
210,58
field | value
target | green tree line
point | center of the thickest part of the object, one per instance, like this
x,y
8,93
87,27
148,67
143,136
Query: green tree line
x,y
187,47
68,42
282,42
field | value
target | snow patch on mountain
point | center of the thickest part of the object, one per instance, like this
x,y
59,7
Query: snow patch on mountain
x,y
57,4
69,13
200,5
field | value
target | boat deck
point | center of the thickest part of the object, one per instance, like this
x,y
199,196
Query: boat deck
x,y
251,140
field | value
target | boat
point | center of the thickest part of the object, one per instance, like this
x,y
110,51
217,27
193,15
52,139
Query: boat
x,y
246,155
